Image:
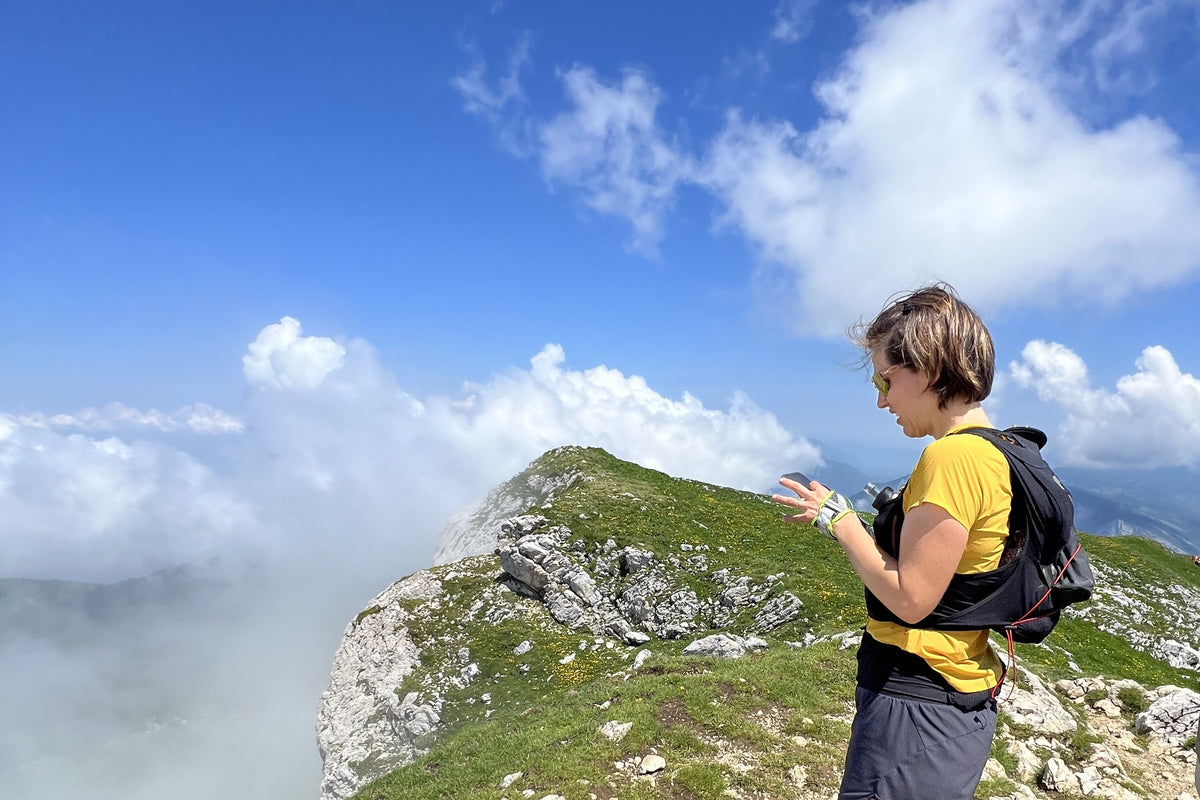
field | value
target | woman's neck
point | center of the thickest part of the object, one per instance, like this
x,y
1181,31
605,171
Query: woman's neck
x,y
959,413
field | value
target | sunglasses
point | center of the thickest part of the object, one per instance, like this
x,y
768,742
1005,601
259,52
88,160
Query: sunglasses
x,y
881,381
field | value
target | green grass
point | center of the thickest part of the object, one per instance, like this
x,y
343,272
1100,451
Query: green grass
x,y
995,787
1001,753
1081,742
690,710
366,612
1133,701
769,710
1146,561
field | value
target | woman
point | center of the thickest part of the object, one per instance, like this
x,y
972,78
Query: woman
x,y
925,712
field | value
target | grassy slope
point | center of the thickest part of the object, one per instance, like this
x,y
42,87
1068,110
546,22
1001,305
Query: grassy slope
x,y
720,724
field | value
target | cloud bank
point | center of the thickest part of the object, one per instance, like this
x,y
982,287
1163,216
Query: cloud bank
x,y
197,418
333,484
329,447
1151,420
82,508
956,142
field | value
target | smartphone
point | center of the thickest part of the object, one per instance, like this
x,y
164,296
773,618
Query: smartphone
x,y
799,477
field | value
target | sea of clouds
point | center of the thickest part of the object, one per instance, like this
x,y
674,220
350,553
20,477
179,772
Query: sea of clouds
x,y
331,457
329,484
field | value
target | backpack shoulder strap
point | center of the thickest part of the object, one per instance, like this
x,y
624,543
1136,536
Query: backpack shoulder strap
x,y
1048,510
1021,446
1016,436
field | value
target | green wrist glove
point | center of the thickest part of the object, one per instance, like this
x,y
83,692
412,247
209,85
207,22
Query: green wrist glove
x,y
832,509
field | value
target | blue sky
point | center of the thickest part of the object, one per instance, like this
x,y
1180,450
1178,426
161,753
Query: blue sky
x,y
690,206
294,283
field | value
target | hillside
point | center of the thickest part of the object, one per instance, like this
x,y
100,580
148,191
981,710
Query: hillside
x,y
74,613
566,657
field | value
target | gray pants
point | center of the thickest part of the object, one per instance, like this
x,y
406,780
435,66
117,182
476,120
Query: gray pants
x,y
904,749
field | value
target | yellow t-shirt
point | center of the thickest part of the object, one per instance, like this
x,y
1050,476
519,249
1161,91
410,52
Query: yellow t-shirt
x,y
968,478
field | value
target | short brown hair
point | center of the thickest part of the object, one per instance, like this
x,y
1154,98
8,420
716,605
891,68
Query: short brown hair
x,y
934,332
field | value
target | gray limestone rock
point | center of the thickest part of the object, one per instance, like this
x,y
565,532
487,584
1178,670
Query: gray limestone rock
x,y
993,769
527,572
1028,764
677,615
634,560
472,531
564,610
1105,761
737,595
651,764
1033,704
1057,777
364,730
719,645
777,611
1177,654
616,731
1171,718
582,584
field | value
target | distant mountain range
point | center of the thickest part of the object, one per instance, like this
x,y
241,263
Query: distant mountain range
x,y
1160,504
71,614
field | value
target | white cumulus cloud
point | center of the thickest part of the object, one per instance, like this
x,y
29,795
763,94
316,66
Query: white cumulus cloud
x,y
947,151
85,508
1152,419
334,459
280,358
956,141
531,411
611,148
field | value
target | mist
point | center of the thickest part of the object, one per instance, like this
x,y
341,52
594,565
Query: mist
x,y
204,573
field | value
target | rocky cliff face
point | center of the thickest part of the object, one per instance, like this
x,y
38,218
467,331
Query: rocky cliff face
x,y
552,606
472,531
365,728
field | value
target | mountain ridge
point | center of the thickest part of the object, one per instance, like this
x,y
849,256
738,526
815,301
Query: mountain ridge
x,y
581,616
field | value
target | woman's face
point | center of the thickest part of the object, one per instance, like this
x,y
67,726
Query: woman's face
x,y
908,397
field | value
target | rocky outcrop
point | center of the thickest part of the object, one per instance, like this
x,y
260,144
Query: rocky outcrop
x,y
372,721
1172,717
1028,702
540,560
631,593
472,531
724,645
1125,756
1139,613
364,727
1177,654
